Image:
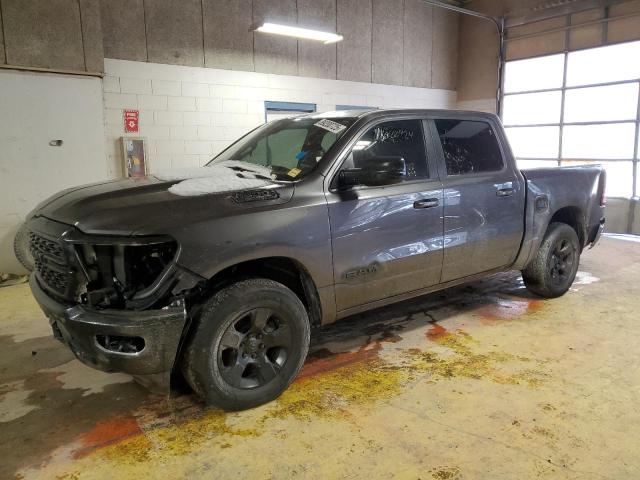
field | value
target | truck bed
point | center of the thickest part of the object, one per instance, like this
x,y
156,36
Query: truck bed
x,y
573,193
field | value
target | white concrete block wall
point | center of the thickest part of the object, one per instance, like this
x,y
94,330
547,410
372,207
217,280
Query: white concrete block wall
x,y
189,114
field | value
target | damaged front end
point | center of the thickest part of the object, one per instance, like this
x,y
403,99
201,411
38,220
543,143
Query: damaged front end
x,y
127,273
119,303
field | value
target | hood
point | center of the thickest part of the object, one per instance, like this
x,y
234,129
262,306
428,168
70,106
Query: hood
x,y
145,206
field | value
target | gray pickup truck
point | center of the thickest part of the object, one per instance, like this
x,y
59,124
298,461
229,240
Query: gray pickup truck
x,y
219,273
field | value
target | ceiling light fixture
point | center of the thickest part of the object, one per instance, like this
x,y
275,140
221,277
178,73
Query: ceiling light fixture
x,y
298,32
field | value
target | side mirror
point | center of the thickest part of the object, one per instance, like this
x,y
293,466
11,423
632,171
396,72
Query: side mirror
x,y
378,171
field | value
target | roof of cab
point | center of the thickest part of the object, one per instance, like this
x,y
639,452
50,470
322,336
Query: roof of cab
x,y
376,113
340,113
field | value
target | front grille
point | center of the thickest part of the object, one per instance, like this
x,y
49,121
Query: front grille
x,y
51,264
59,281
43,245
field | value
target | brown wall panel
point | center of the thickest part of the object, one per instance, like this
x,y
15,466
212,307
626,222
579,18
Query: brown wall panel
x,y
44,34
354,52
3,58
174,32
123,29
92,35
387,53
418,43
445,50
228,41
316,59
397,42
273,53
477,64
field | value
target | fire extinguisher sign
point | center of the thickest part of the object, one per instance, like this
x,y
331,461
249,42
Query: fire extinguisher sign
x,y
131,121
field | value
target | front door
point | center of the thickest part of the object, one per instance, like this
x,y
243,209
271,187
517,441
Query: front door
x,y
484,199
387,240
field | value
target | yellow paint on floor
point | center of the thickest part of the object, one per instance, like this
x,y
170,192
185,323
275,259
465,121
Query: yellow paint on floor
x,y
481,381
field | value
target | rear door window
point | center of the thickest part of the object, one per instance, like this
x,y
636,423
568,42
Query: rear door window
x,y
469,146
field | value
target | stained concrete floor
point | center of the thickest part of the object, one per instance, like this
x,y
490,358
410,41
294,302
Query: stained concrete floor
x,y
480,381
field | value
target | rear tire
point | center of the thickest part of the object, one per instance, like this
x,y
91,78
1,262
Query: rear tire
x,y
551,273
248,344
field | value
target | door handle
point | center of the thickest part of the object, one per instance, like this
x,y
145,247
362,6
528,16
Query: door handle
x,y
426,203
505,192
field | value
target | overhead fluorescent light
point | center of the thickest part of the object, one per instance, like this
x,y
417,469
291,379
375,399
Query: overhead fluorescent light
x,y
298,32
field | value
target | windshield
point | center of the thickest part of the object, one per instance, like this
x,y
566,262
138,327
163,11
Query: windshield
x,y
290,147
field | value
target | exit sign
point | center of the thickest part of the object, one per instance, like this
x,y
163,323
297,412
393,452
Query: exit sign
x,y
131,121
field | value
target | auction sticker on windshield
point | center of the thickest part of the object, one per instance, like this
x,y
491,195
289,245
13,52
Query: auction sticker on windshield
x,y
294,172
330,125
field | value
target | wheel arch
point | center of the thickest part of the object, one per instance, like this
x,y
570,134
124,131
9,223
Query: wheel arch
x,y
285,270
572,216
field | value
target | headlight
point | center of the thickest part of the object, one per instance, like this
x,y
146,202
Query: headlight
x,y
117,271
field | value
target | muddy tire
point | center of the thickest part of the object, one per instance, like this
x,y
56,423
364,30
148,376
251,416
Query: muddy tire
x,y
552,271
21,248
247,345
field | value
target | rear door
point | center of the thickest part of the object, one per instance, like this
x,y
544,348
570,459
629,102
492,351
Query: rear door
x,y
484,197
387,240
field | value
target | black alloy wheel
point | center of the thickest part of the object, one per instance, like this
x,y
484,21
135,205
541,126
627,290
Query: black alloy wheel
x,y
561,264
247,344
254,348
552,271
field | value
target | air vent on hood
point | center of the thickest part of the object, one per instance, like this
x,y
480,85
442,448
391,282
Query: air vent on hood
x,y
254,195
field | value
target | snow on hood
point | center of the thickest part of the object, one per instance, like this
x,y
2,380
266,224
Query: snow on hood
x,y
224,183
222,177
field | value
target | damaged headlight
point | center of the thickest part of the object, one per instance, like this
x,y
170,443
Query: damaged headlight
x,y
120,272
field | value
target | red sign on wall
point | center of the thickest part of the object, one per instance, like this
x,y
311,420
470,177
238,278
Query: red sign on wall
x,y
131,121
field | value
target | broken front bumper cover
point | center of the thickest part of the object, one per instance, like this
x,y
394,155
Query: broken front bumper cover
x,y
81,327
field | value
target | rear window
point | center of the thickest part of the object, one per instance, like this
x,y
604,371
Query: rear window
x,y
469,146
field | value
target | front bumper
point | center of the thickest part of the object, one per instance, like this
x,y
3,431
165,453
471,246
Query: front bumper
x,y
79,327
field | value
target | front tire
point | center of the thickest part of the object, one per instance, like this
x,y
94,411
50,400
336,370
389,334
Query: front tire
x,y
21,248
248,344
552,271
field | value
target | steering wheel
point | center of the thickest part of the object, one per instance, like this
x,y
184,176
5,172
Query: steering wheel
x,y
309,161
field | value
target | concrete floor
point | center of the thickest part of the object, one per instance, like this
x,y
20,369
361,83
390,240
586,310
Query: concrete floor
x,y
481,381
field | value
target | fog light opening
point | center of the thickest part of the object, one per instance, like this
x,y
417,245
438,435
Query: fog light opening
x,y
118,344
